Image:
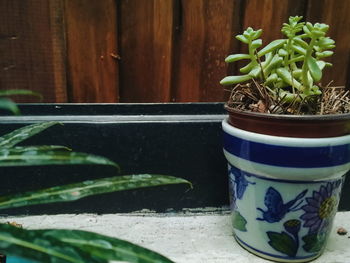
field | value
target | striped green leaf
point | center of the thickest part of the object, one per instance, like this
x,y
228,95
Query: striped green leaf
x,y
28,244
9,105
48,155
104,247
13,92
76,191
56,246
11,139
39,148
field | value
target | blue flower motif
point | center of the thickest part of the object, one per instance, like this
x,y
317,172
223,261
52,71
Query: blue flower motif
x,y
321,207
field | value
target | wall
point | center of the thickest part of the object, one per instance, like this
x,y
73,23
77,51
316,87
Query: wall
x,y
144,50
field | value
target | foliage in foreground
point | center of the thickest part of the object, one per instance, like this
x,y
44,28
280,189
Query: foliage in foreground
x,y
9,105
54,245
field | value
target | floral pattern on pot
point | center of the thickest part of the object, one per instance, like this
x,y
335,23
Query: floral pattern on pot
x,y
321,207
276,208
319,213
287,220
240,182
286,243
237,187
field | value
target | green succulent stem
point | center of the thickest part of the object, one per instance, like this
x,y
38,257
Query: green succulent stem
x,y
251,52
288,57
305,68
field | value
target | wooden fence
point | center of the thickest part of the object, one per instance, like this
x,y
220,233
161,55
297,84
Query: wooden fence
x,y
144,50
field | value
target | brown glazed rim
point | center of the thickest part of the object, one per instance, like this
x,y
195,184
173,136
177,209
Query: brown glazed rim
x,y
300,126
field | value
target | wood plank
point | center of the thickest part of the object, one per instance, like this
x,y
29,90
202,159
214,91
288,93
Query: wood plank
x,y
204,39
146,46
336,15
92,50
269,15
31,54
58,50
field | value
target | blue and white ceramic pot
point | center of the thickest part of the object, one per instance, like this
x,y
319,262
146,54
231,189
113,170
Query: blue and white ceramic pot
x,y
284,191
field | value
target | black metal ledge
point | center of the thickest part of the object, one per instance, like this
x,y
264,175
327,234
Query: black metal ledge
x,y
182,140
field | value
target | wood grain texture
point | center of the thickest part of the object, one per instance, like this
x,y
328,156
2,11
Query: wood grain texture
x,y
91,30
146,50
58,50
31,54
335,13
203,40
269,15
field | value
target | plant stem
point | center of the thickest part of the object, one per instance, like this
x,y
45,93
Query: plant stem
x,y
305,68
251,52
286,58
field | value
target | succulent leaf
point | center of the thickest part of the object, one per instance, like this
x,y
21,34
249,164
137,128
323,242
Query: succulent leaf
x,y
271,47
257,33
285,75
248,67
255,72
229,80
301,42
315,71
300,50
256,43
242,39
236,57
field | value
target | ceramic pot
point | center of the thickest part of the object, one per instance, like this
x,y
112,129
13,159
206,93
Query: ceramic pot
x,y
284,191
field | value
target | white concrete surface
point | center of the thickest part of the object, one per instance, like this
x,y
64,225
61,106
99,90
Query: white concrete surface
x,y
184,238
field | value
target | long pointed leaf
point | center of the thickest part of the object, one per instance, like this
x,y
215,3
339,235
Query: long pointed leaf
x,y
76,191
32,156
40,148
31,245
11,139
105,247
9,105
12,92
54,245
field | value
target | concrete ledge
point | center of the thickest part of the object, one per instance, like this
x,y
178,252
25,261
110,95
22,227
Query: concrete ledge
x,y
185,237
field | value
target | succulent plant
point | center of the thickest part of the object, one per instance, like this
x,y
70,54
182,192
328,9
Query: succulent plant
x,y
289,68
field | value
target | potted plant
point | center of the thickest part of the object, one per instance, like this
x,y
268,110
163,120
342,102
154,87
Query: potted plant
x,y
287,143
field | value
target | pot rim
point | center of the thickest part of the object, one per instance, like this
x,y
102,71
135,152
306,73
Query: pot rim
x,y
326,117
284,140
